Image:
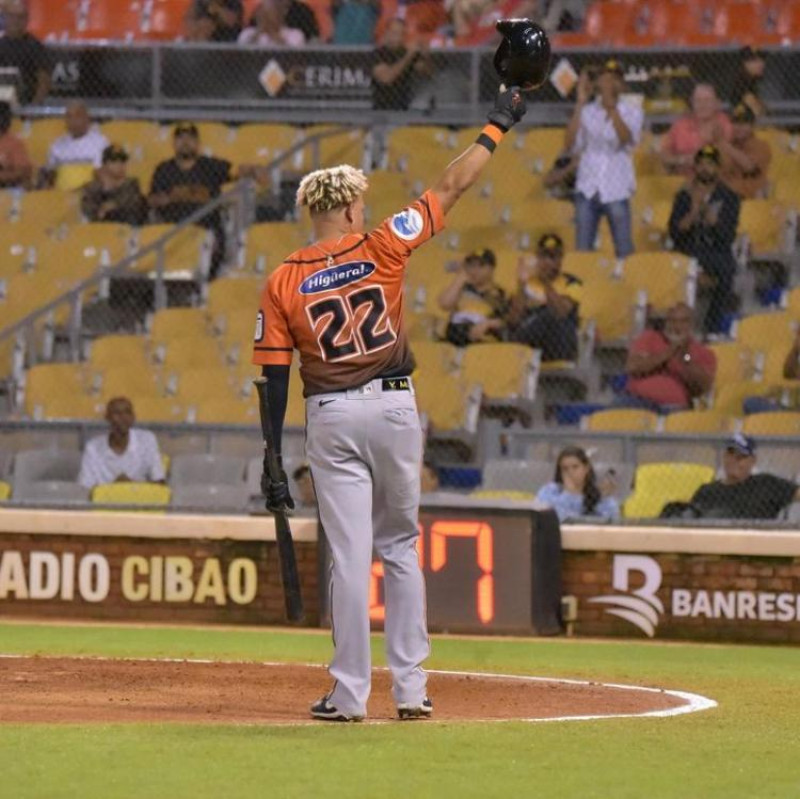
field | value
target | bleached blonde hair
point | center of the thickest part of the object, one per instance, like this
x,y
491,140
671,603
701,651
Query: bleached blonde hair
x,y
328,189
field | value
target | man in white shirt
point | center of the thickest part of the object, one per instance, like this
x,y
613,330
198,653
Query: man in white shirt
x,y
125,454
80,148
604,134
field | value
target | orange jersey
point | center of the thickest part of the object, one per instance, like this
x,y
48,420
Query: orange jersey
x,y
340,304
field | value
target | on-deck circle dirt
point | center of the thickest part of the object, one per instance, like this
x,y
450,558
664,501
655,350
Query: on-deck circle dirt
x,y
34,689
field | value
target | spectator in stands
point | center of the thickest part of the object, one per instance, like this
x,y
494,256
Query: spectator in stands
x,y
77,153
604,133
791,366
227,17
16,168
23,51
745,158
740,494
703,223
705,124
544,311
668,368
184,184
113,196
354,21
124,454
302,17
306,497
478,307
396,68
574,492
271,27
748,79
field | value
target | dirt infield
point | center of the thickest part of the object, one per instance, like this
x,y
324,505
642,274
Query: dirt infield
x,y
34,689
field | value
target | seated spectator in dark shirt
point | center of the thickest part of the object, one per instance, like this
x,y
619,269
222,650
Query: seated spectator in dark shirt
x,y
396,67
23,51
227,16
740,494
703,223
16,168
667,369
478,307
745,157
354,21
112,196
545,308
188,181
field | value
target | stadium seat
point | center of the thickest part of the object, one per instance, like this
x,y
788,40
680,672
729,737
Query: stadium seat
x,y
234,296
39,135
734,362
121,381
503,371
764,224
53,21
98,242
178,323
620,420
728,398
764,330
590,267
48,380
500,494
609,309
148,494
651,226
345,147
516,475
388,193
137,136
197,469
261,143
37,465
5,491
225,411
192,385
657,484
166,20
158,409
107,352
68,406
652,189
178,353
435,357
609,23
709,421
539,148
187,251
229,498
51,492
775,423
665,277
444,401
50,209
267,244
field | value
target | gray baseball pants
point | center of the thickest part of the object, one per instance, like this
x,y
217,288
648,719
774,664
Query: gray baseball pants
x,y
364,447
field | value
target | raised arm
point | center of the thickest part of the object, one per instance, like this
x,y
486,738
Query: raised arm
x,y
508,109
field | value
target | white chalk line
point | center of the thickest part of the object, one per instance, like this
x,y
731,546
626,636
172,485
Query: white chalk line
x,y
693,703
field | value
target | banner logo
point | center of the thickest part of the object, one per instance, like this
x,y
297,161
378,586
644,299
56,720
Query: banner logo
x,y
335,277
639,606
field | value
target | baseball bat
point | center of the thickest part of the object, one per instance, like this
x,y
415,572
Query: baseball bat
x,y
289,575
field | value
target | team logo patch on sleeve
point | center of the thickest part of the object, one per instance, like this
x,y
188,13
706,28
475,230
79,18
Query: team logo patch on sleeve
x,y
259,326
407,225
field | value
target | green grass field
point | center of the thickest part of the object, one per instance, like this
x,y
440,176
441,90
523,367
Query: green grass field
x,y
748,747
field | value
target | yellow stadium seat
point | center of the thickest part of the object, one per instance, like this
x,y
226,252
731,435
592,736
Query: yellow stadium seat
x,y
216,411
709,421
418,151
124,382
540,147
5,491
186,251
652,189
159,409
343,148
764,223
188,352
656,484
388,193
71,177
793,303
266,245
443,399
47,380
69,406
131,494
773,423
728,398
108,352
215,137
39,135
590,267
516,496
621,420
734,362
663,275
50,209
209,382
179,323
435,357
765,330
260,143
608,306
503,371
234,296
133,133
539,215
651,226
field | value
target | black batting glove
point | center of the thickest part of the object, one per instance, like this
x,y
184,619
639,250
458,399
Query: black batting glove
x,y
509,108
276,492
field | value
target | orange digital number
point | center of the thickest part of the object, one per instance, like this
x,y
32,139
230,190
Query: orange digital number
x,y
377,610
484,540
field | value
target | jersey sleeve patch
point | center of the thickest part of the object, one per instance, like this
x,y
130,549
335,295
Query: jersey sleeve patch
x,y
407,225
259,334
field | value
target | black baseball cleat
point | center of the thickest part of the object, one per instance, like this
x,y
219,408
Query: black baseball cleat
x,y
325,711
422,711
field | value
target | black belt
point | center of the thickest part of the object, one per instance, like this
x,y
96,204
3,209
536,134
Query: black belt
x,y
396,384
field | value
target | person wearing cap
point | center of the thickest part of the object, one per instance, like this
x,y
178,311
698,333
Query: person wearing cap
x,y
113,196
478,307
745,158
747,81
604,133
668,368
741,494
703,224
544,311
184,184
705,123
226,16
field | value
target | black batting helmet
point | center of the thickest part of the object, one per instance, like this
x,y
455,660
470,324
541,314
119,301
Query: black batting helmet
x,y
523,57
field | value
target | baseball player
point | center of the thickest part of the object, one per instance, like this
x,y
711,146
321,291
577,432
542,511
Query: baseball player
x,y
339,302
